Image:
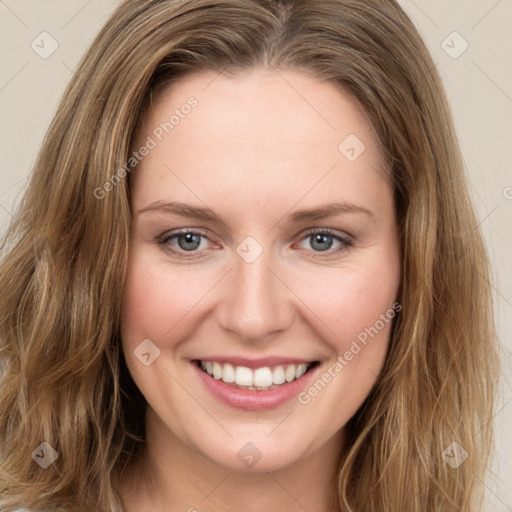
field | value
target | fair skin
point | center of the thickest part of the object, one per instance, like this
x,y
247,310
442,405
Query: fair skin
x,y
256,149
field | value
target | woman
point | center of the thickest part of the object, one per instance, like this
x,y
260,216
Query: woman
x,y
175,333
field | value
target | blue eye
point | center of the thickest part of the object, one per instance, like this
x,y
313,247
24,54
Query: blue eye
x,y
322,240
185,243
188,242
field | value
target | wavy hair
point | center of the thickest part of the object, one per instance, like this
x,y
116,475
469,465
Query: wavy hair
x,y
63,377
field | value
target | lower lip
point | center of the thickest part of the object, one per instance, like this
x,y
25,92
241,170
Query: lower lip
x,y
254,400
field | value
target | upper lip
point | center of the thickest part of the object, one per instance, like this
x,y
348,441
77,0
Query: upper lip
x,y
256,363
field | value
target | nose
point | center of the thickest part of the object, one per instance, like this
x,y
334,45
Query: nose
x,y
256,300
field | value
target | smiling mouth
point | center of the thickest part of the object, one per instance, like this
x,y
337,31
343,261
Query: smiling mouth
x,y
258,379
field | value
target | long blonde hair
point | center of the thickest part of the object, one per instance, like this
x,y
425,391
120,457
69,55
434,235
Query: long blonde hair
x,y
63,377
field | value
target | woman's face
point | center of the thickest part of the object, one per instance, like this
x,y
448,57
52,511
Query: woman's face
x,y
264,243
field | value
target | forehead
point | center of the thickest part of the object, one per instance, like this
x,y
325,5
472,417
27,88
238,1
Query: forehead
x,y
268,134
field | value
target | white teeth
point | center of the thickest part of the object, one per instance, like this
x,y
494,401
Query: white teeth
x,y
228,375
278,375
290,373
260,378
217,371
244,376
263,377
300,370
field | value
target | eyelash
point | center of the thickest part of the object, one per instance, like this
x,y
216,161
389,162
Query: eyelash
x,y
345,242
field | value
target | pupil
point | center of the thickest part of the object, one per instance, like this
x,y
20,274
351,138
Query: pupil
x,y
190,238
322,239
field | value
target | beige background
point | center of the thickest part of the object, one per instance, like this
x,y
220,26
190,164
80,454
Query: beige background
x,y
478,82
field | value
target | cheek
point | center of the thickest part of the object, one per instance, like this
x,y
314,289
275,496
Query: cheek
x,y
157,299
354,305
157,305
354,316
157,296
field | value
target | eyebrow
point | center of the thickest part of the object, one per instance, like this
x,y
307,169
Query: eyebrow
x,y
206,214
